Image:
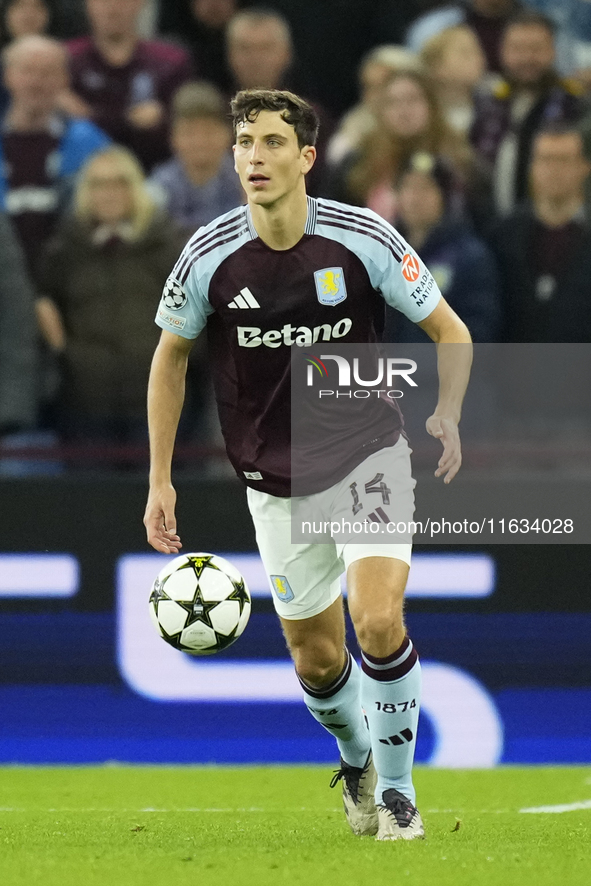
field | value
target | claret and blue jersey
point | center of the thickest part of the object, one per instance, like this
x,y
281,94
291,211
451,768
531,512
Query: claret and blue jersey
x,y
257,303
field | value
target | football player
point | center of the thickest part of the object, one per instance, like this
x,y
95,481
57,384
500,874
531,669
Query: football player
x,y
286,271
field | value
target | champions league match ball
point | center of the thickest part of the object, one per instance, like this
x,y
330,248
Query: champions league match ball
x,y
200,603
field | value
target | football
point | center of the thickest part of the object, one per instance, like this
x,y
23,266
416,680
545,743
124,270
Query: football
x,y
200,603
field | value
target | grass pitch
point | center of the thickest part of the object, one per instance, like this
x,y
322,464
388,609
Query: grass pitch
x,y
171,826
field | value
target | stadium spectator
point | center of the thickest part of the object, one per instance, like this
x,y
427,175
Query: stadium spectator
x,y
199,182
487,18
461,263
68,17
102,278
201,26
410,120
260,54
530,96
40,147
20,18
260,51
125,83
18,338
375,69
572,20
456,64
544,247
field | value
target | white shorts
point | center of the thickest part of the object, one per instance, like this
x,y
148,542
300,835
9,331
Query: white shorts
x,y
305,577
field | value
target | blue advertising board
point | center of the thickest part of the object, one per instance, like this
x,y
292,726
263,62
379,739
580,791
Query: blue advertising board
x,y
92,683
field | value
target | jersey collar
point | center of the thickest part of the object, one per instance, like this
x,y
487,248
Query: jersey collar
x,y
251,228
312,215
310,227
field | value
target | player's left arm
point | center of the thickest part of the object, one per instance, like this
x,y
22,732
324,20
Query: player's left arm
x,y
454,360
398,273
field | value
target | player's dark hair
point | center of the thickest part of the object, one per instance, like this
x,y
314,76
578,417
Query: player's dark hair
x,y
526,17
248,104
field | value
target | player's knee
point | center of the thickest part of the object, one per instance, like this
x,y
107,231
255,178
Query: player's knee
x,y
379,633
318,667
317,675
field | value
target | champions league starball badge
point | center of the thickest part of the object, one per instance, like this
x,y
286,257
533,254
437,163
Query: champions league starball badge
x,y
174,296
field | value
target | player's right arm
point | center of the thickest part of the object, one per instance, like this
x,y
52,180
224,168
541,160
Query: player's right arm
x,y
166,393
182,315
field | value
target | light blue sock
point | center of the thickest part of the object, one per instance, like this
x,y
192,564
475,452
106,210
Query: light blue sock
x,y
338,708
391,694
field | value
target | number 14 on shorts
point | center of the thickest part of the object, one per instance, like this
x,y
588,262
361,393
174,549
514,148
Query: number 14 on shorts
x,y
376,485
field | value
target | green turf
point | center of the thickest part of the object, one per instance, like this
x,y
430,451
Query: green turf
x,y
163,826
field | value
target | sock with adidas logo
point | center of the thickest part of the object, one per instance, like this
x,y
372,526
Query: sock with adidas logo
x,y
337,707
390,694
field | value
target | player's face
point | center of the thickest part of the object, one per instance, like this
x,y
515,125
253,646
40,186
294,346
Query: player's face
x,y
268,159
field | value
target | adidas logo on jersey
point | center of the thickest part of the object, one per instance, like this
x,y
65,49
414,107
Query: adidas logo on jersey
x,y
302,336
245,300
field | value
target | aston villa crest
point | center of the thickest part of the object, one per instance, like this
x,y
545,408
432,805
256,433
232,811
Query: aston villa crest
x,y
330,286
282,588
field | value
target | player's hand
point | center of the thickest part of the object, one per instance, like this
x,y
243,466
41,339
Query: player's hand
x,y
160,521
446,430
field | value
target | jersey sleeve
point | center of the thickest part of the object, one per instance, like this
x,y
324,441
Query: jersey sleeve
x,y
404,280
394,268
183,308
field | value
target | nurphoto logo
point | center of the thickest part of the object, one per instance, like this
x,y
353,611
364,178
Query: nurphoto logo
x,y
387,369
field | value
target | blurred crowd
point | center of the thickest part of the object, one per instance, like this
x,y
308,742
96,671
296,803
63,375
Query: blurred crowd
x,y
467,125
